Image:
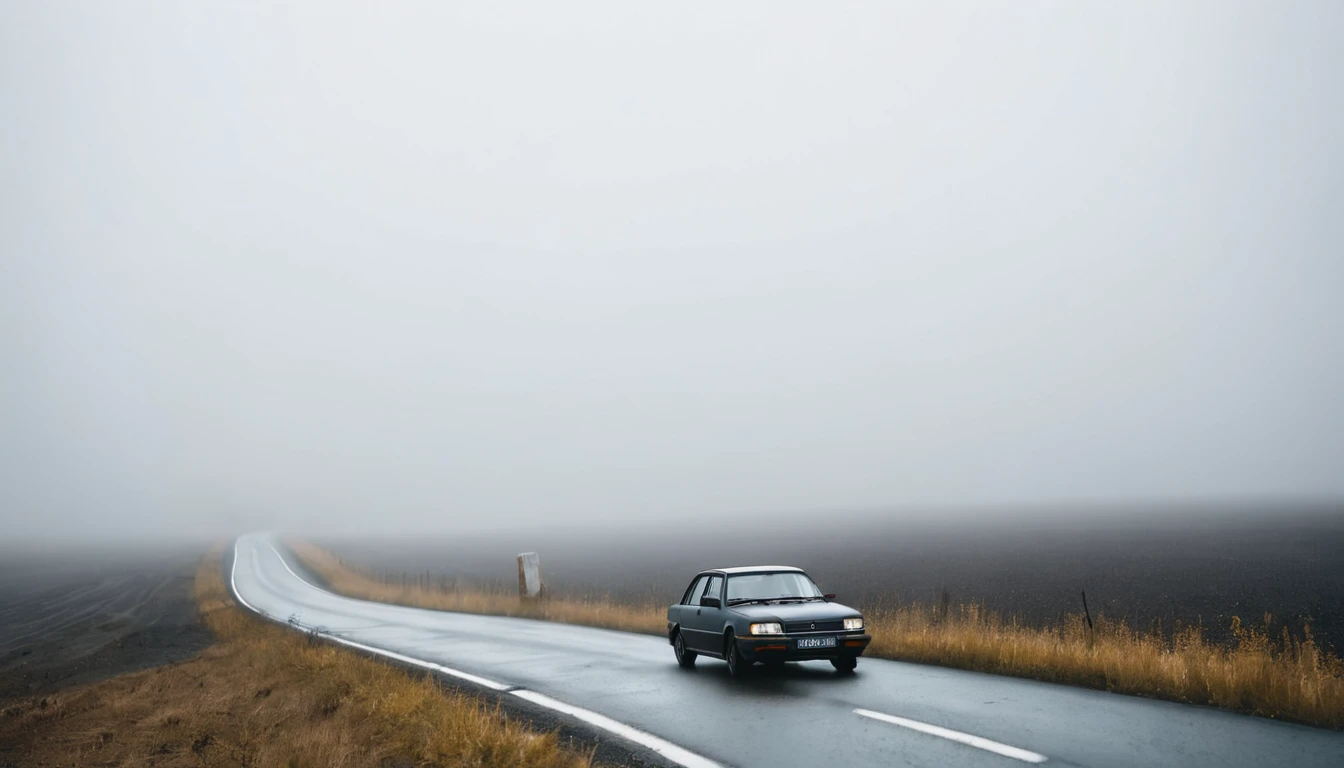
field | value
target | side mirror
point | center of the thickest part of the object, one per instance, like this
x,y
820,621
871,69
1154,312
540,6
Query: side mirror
x,y
829,595
709,602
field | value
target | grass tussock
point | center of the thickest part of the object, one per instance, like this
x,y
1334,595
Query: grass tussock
x,y
1262,673
266,696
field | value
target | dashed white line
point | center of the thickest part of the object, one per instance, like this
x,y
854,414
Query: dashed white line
x,y
667,749
1017,753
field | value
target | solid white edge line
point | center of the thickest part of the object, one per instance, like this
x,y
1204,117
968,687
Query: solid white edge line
x,y
1017,753
667,749
477,679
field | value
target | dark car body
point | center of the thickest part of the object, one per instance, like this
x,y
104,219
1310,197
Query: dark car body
x,y
810,628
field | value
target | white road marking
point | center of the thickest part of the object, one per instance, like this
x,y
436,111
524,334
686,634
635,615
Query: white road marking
x,y
477,679
281,558
667,749
1017,753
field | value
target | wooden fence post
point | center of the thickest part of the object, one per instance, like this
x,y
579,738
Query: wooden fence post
x,y
1091,637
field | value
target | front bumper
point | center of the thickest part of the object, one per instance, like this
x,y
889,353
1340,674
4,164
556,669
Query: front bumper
x,y
766,648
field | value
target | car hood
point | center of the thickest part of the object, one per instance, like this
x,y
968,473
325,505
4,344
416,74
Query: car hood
x,y
795,611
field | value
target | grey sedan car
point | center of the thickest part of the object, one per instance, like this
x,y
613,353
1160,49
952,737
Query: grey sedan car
x,y
765,613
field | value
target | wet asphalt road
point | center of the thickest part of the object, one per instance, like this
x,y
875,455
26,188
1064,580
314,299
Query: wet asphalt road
x,y
804,715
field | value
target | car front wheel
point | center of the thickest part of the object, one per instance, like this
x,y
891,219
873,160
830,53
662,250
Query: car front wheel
x,y
685,658
738,666
845,663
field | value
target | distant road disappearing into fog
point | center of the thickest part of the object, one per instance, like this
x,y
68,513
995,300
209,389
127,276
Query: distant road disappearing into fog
x,y
888,713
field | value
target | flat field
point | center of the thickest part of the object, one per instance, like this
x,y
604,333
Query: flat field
x,y
73,618
1156,569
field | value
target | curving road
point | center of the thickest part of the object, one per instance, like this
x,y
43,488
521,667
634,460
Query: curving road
x,y
888,713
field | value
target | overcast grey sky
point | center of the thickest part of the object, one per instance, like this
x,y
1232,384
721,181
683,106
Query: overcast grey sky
x,y
347,264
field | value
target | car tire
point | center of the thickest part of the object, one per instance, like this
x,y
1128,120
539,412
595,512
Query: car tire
x,y
685,656
845,664
738,666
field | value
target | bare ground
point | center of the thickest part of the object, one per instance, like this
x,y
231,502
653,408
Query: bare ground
x,y
64,625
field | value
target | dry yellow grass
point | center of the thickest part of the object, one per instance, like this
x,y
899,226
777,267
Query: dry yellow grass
x,y
1261,673
265,696
351,581
1280,677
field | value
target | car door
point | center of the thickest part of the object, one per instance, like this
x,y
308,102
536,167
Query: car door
x,y
685,609
704,622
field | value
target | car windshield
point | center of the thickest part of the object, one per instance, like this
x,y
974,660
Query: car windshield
x,y
770,586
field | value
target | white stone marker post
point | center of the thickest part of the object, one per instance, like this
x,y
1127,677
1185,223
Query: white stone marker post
x,y
529,576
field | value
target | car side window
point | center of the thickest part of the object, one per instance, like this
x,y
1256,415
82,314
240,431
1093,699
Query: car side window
x,y
697,588
715,586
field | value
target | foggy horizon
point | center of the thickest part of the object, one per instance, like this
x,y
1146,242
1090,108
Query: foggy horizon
x,y
334,269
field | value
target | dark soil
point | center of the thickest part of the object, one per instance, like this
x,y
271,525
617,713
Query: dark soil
x,y
1153,568
68,620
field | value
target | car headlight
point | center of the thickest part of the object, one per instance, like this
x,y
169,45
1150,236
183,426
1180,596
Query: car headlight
x,y
768,628
852,624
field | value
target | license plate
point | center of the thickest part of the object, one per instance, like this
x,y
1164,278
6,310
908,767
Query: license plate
x,y
816,642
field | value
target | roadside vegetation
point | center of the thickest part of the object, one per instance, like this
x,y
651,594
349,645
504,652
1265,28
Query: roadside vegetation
x,y
1261,672
264,695
1264,672
353,581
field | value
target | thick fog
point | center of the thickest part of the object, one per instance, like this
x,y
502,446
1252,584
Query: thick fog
x,y
372,266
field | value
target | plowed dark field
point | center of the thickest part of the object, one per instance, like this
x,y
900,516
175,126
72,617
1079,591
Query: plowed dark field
x,y
75,617
1182,568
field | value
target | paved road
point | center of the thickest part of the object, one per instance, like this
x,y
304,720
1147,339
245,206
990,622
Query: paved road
x,y
888,713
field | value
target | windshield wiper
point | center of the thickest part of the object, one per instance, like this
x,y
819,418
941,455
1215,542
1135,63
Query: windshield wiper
x,y
764,600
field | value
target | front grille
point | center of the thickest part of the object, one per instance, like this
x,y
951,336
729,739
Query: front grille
x,y
815,626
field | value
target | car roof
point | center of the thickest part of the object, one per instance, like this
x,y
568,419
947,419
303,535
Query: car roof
x,y
755,569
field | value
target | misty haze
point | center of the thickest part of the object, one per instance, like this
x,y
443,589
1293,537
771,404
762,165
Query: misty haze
x,y
966,310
